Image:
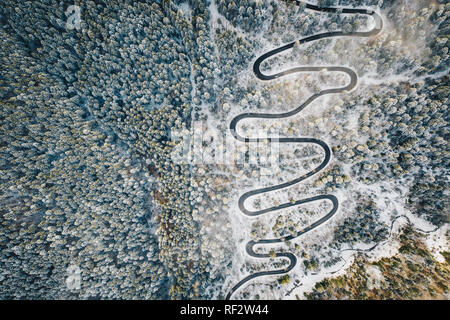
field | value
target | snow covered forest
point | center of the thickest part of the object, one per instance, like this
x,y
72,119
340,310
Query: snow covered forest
x,y
93,204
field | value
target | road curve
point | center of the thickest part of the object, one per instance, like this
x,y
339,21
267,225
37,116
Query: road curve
x,y
256,69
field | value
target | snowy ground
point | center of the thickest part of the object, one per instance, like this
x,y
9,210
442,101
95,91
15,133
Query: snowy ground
x,y
389,196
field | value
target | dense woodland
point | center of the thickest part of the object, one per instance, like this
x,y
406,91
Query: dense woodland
x,y
87,178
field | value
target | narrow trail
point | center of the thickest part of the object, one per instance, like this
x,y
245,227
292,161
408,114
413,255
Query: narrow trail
x,y
256,69
374,246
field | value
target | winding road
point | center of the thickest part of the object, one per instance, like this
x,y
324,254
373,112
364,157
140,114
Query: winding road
x,y
256,69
